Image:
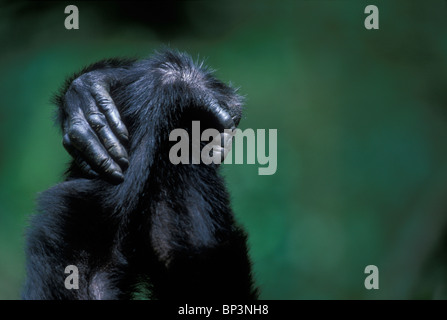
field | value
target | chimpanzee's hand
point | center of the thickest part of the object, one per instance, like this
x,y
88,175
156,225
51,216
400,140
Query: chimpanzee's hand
x,y
93,127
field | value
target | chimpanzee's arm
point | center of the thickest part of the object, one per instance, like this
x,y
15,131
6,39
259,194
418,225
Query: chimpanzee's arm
x,y
93,131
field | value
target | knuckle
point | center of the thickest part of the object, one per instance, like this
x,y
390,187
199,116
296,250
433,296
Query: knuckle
x,y
76,131
77,121
121,127
94,80
105,104
102,97
88,79
66,141
115,149
78,83
118,126
106,164
112,150
96,120
97,86
82,164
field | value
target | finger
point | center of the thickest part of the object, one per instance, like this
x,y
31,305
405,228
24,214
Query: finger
x,y
98,122
83,165
107,106
84,140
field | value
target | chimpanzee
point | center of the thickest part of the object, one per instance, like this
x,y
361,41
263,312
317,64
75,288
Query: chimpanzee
x,y
162,229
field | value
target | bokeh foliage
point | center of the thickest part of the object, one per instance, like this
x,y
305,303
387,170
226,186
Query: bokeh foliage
x,y
361,118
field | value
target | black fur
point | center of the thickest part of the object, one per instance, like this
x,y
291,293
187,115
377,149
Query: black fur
x,y
167,229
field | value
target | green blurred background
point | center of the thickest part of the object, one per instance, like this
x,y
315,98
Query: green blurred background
x,y
361,118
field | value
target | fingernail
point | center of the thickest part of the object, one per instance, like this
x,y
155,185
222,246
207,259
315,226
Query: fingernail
x,y
125,135
124,163
92,173
117,177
